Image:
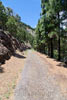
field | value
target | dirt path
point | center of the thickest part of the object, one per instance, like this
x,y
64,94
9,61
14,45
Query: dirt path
x,y
37,82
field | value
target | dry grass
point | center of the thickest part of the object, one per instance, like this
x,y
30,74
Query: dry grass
x,y
59,70
10,74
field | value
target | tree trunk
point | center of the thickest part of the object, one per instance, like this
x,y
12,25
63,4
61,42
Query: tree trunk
x,y
59,57
51,47
48,50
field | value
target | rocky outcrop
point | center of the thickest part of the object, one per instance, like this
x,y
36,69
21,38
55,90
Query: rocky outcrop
x,y
24,47
4,53
8,45
31,31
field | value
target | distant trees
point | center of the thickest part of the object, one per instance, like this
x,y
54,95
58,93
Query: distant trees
x,y
11,25
9,11
50,32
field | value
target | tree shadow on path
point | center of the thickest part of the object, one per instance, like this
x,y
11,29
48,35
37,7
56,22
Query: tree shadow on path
x,y
62,64
19,56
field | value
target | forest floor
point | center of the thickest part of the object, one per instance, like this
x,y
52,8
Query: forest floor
x,y
10,74
41,78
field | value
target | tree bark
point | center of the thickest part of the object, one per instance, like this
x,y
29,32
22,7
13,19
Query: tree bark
x,y
59,55
49,50
51,47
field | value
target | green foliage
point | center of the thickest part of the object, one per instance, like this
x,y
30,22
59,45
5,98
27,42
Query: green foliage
x,y
9,11
12,23
3,16
50,32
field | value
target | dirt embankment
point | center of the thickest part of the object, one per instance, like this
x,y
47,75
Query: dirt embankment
x,y
10,74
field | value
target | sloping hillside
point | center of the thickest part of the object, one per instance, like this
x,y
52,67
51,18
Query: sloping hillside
x,y
28,28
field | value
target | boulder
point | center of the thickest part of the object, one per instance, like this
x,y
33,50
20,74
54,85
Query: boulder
x,y
6,41
4,53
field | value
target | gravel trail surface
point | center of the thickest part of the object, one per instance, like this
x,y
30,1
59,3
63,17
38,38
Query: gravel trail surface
x,y
36,83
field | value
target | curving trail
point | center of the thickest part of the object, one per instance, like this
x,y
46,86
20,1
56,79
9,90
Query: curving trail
x,y
36,82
